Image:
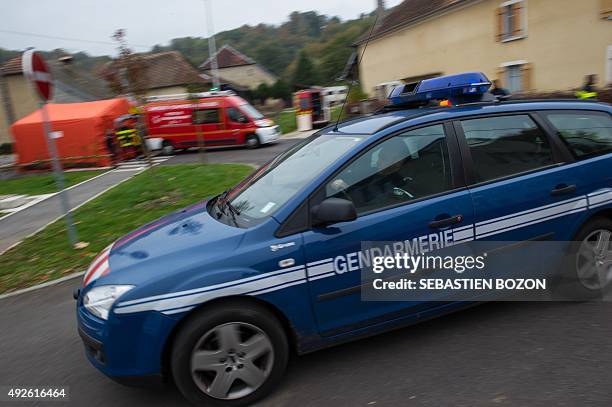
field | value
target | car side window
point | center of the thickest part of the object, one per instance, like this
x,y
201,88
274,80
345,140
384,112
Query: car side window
x,y
587,134
505,145
406,167
206,116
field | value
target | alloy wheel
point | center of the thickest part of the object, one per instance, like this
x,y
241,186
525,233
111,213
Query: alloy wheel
x,y
594,260
232,360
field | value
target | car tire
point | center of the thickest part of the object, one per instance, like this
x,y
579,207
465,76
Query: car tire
x,y
206,336
591,245
167,148
252,141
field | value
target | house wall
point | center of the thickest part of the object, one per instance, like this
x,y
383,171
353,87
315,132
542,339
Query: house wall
x,y
565,40
23,100
250,76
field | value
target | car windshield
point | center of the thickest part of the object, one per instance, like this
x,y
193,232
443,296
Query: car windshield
x,y
266,190
251,111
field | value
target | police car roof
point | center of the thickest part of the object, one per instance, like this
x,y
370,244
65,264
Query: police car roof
x,y
374,123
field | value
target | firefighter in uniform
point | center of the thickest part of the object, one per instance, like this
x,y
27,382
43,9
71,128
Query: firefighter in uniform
x,y
127,135
588,89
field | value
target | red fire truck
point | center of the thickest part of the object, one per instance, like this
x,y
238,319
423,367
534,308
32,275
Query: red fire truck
x,y
213,118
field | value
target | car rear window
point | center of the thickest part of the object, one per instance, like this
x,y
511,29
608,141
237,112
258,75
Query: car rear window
x,y
506,145
587,134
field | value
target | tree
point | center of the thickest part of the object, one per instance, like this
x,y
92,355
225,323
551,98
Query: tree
x,y
281,90
128,75
356,94
128,72
304,73
262,92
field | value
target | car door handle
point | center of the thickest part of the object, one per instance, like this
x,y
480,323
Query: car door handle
x,y
437,224
563,189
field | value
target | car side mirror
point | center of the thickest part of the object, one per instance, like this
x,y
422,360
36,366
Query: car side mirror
x,y
243,119
333,210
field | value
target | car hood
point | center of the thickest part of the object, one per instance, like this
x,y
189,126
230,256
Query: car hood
x,y
173,242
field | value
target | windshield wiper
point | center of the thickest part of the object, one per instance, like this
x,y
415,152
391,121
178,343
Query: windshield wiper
x,y
218,203
222,203
233,211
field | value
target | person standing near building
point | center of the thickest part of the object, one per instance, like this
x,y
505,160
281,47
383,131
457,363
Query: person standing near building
x,y
109,138
588,90
498,91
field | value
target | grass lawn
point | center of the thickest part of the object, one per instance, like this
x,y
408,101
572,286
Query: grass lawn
x,y
287,124
48,255
286,121
38,184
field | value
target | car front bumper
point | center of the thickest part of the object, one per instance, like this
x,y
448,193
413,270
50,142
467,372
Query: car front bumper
x,y
127,347
268,134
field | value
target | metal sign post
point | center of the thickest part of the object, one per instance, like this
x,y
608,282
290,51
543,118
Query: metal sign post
x,y
38,73
58,175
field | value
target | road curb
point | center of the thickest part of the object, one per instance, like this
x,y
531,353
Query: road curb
x,y
42,285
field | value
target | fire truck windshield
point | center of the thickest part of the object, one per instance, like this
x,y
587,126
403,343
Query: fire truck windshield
x,y
251,111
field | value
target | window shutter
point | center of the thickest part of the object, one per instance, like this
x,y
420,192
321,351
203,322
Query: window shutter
x,y
526,75
499,16
501,77
517,21
606,9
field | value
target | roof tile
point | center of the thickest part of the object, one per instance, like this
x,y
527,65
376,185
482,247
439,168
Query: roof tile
x,y
410,11
12,66
228,56
164,69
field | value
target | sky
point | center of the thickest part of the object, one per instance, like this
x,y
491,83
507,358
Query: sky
x,y
87,25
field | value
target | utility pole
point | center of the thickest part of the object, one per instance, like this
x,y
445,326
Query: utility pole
x,y
212,47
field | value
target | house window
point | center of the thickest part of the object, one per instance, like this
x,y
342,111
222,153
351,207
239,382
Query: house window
x,y
515,76
508,15
511,20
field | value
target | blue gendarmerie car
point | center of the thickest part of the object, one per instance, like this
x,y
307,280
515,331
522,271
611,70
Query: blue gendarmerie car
x,y
216,296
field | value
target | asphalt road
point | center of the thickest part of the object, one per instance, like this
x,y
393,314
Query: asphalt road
x,y
257,156
506,354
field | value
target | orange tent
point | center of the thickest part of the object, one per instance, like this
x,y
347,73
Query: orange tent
x,y
83,142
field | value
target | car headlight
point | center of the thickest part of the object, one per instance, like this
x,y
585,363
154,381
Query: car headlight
x,y
100,299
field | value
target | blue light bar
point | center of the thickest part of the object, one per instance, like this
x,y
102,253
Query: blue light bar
x,y
464,87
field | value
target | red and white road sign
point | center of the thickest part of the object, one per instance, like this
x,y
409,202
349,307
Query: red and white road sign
x,y
36,70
